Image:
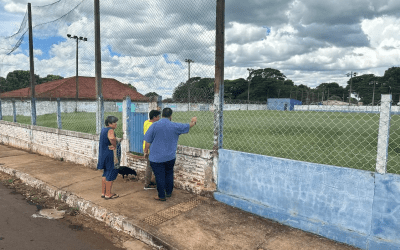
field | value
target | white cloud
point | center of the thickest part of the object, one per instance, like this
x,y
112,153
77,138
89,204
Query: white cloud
x,y
310,41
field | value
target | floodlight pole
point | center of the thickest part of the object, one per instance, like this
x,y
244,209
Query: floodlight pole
x,y
351,82
77,78
189,61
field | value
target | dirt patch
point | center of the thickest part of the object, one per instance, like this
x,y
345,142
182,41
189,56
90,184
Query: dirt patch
x,y
72,218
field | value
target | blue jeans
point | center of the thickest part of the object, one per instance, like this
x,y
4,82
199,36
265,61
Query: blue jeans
x,y
164,173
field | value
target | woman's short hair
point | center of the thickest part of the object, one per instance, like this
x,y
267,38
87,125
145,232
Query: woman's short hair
x,y
111,119
167,112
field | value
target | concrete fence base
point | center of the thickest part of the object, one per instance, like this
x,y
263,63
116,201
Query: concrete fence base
x,y
193,168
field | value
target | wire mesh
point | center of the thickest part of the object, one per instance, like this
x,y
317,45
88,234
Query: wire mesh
x,y
156,48
394,141
167,48
333,135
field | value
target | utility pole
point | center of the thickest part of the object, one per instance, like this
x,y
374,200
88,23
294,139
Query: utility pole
x,y
218,85
97,63
32,67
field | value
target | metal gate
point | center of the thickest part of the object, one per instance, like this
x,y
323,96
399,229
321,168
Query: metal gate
x,y
135,126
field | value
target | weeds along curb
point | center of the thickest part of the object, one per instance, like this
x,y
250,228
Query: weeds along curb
x,y
118,222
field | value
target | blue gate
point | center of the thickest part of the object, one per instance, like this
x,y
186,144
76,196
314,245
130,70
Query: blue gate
x,y
135,126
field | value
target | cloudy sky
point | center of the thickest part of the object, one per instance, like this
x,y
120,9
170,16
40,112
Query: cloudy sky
x,y
145,43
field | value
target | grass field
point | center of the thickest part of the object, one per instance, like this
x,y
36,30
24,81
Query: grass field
x,y
340,139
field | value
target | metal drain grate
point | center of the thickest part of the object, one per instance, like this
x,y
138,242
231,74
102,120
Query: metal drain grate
x,y
169,213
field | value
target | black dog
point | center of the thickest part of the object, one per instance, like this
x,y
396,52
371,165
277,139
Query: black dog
x,y
126,171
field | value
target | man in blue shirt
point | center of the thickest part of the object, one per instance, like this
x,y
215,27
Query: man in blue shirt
x,y
162,140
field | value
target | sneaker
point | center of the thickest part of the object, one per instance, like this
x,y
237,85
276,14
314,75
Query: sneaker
x,y
149,187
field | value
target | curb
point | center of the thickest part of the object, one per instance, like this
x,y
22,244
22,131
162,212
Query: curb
x,y
116,221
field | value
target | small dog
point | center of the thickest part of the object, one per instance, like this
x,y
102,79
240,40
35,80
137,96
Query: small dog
x,y
126,171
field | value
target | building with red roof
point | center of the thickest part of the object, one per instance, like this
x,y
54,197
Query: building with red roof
x,y
113,90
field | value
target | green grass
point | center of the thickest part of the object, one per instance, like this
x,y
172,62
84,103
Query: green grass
x,y
77,121
340,139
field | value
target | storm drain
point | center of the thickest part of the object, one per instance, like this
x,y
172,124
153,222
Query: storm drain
x,y
169,213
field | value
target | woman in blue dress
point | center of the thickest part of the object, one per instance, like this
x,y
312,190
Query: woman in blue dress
x,y
107,143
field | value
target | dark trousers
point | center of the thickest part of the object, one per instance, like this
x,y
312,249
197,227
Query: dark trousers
x,y
164,173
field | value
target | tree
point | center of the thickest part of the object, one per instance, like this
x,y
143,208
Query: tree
x,y
150,94
132,87
233,88
326,90
264,83
49,78
2,83
196,89
18,79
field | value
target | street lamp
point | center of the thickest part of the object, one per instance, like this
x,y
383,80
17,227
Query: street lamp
x,y
77,39
351,81
248,86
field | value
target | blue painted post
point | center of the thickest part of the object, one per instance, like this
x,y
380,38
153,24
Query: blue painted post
x,y
59,123
33,111
14,111
1,113
126,112
383,134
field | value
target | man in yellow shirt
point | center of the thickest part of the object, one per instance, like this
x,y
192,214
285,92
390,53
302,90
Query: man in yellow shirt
x,y
154,116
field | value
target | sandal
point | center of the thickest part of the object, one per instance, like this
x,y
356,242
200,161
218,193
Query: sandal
x,y
114,196
103,196
159,199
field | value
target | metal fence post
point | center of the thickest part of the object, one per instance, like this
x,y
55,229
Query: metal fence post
x,y
126,112
383,134
33,111
14,111
218,85
59,123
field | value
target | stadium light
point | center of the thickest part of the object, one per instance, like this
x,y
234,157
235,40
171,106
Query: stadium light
x,y
77,39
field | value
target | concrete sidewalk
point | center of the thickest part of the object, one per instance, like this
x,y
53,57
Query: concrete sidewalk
x,y
184,221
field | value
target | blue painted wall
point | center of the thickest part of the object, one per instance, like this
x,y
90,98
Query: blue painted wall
x,y
282,104
338,203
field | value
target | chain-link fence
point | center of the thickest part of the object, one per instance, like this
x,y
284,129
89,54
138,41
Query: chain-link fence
x,y
393,165
167,48
311,133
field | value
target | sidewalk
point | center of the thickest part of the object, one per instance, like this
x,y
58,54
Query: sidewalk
x,y
184,221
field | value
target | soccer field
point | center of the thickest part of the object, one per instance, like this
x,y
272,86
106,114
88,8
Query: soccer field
x,y
340,139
